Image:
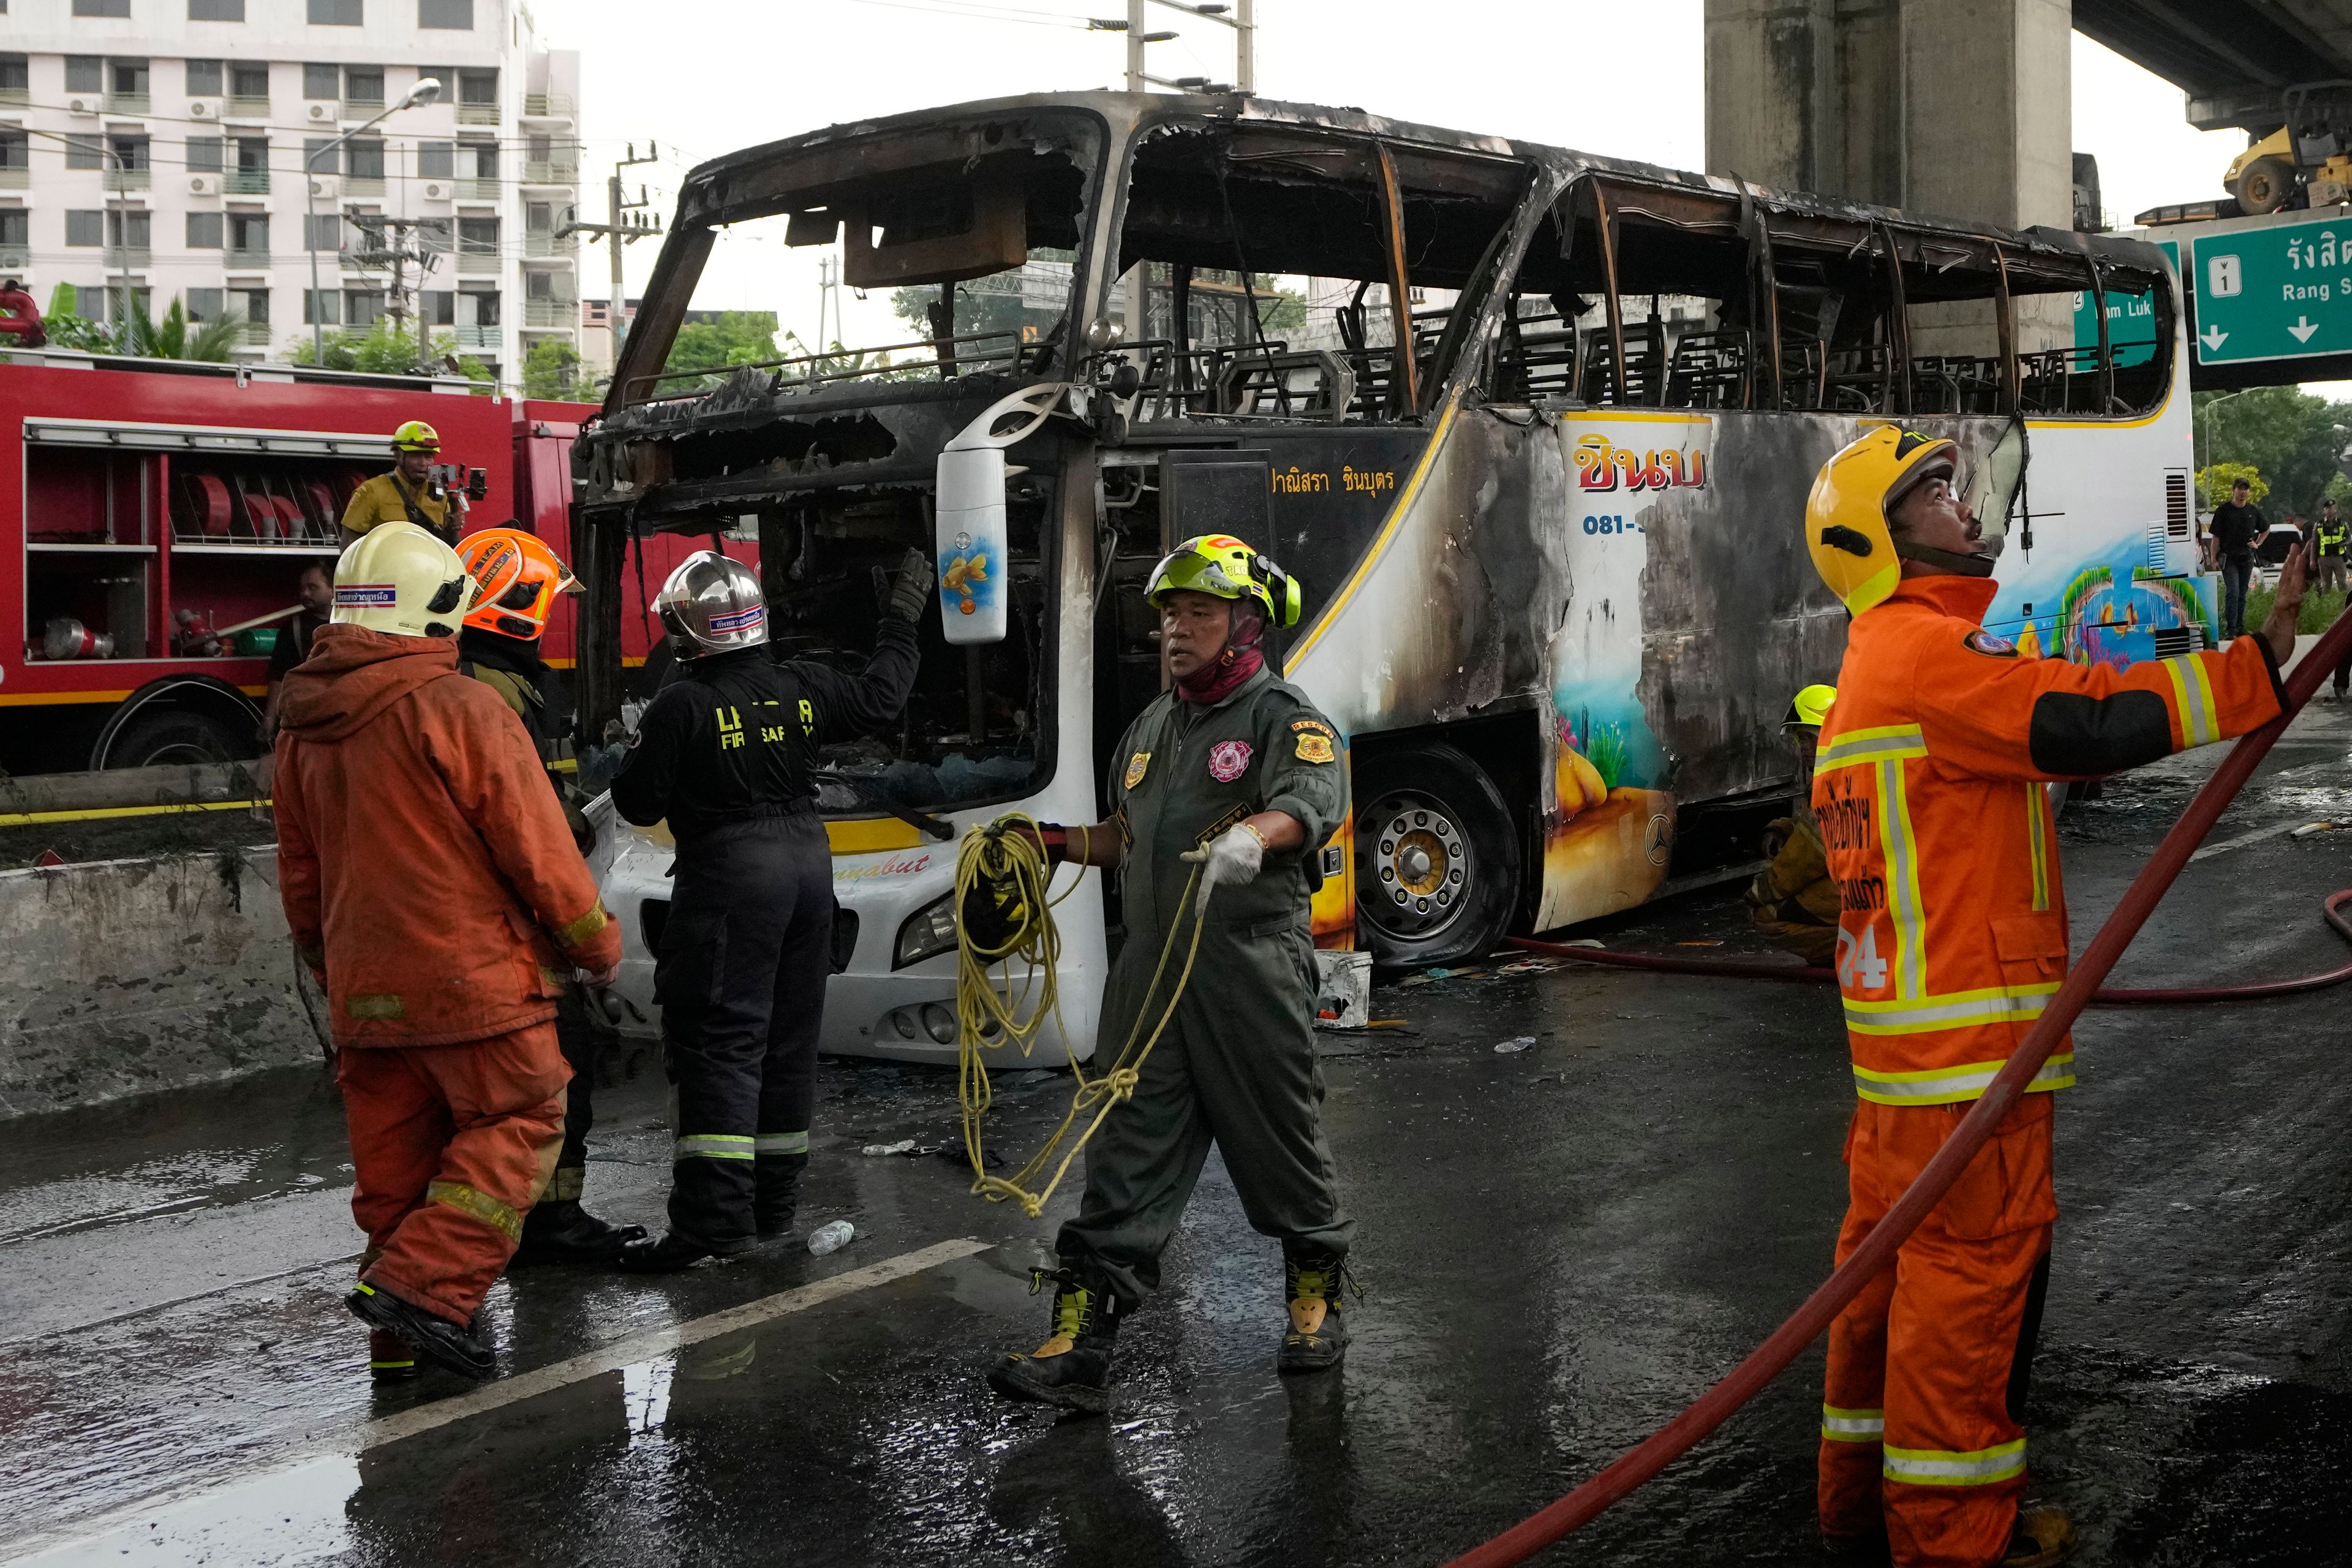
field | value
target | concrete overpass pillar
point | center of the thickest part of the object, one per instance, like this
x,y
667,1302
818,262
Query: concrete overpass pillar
x,y
1957,108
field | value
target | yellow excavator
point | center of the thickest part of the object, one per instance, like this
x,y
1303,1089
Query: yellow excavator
x,y
2307,161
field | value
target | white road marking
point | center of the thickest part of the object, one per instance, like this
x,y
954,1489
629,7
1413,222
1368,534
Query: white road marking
x,y
192,1524
662,1342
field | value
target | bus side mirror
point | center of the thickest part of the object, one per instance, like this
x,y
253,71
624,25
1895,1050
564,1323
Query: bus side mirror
x,y
969,536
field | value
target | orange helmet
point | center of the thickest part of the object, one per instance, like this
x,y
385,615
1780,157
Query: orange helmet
x,y
519,577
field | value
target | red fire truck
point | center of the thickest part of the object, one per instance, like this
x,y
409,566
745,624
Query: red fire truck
x,y
157,512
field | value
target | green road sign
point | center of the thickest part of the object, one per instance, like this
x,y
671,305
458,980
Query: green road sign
x,y
2277,292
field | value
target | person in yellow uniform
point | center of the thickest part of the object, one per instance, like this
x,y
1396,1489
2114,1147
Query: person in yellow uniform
x,y
407,494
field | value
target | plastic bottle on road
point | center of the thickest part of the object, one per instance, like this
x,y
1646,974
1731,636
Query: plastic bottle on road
x,y
831,1237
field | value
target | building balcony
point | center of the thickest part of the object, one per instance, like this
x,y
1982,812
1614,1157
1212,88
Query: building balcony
x,y
478,114
130,179
547,247
16,97
474,337
363,184
472,263
14,260
478,189
249,109
246,182
354,111
13,178
547,106
544,314
253,334
127,259
240,259
127,103
551,172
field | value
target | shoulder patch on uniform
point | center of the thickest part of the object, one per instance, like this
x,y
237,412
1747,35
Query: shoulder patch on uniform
x,y
1136,767
1228,759
1314,746
1992,646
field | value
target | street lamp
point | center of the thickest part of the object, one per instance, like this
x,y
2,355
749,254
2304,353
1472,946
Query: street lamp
x,y
423,93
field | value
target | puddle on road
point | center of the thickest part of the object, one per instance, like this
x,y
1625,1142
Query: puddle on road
x,y
275,1520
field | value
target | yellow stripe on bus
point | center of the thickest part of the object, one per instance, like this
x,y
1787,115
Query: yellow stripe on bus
x,y
1380,541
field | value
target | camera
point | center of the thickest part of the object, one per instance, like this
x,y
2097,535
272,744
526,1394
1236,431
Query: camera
x,y
446,477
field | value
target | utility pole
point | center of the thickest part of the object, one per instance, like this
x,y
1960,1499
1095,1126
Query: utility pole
x,y
620,231
1243,22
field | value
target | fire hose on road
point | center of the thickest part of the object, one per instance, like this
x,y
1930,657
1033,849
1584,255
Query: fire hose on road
x,y
1877,1251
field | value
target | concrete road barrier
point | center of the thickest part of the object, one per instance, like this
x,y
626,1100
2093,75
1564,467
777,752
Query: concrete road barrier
x,y
131,976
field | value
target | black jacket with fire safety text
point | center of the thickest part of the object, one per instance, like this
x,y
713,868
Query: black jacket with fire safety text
x,y
734,735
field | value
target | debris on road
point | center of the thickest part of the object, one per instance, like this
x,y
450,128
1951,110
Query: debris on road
x,y
1521,1043
830,1237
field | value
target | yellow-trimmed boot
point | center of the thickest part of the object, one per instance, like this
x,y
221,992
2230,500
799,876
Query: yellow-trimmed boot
x,y
1072,1368
390,1359
1317,1335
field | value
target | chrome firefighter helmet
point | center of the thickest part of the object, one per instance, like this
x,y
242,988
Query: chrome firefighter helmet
x,y
712,604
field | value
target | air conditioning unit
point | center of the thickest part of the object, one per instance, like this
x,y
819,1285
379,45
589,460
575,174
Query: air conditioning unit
x,y
14,260
200,109
83,103
322,113
204,185
323,184
436,190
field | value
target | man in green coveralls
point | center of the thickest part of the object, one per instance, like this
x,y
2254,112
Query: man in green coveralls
x,y
1233,771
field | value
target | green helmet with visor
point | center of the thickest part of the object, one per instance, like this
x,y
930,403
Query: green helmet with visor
x,y
1223,567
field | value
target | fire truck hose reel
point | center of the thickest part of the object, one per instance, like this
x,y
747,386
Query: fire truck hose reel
x,y
1877,1251
1004,910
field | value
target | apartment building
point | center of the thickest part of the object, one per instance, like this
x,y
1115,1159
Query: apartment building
x,y
189,149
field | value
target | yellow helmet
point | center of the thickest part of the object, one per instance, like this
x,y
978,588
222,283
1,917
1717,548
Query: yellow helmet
x,y
1810,707
398,578
1223,567
1845,517
416,437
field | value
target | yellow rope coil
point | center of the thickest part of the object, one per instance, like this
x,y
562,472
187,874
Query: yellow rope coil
x,y
991,1012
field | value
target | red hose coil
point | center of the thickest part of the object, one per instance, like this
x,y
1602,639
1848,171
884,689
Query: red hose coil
x,y
1785,1343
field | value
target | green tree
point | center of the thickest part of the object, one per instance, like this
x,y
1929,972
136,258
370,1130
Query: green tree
x,y
2290,435
737,337
174,337
551,369
386,349
2213,483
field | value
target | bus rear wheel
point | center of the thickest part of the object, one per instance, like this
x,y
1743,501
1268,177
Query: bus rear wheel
x,y
1437,865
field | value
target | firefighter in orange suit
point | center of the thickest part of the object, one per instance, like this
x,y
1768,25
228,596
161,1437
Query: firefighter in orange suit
x,y
431,882
1951,937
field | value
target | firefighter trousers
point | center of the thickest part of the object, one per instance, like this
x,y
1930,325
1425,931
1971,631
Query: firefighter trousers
x,y
450,1146
1235,1067
1922,1413
740,979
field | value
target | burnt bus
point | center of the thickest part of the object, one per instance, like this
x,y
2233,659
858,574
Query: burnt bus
x,y
1533,428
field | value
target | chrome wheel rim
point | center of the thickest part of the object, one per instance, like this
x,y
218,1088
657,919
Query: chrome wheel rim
x,y
1415,865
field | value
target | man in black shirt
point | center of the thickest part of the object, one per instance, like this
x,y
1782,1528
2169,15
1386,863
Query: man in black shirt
x,y
316,588
2237,528
727,752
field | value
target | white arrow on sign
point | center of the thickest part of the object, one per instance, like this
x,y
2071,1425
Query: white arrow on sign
x,y
2302,330
2212,337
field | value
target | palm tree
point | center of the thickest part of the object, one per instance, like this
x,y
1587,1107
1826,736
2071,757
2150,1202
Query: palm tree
x,y
176,338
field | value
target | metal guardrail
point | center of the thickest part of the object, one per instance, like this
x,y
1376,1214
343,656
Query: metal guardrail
x,y
246,182
478,114
547,105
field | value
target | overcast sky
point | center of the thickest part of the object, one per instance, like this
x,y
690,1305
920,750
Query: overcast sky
x,y
706,77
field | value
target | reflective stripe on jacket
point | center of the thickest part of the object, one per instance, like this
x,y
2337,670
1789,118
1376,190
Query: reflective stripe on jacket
x,y
1929,788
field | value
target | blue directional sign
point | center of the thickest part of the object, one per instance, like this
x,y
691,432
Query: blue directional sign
x,y
2278,292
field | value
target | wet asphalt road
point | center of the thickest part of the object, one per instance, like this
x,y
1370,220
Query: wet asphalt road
x,y
1560,1245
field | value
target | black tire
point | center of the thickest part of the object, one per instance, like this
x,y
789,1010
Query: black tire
x,y
1431,827
175,737
2264,187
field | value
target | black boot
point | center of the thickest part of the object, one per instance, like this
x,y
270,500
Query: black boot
x,y
1317,1335
776,1197
558,1230
1072,1368
459,1350
673,1254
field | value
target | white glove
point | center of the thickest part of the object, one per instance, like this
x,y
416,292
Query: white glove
x,y
1232,857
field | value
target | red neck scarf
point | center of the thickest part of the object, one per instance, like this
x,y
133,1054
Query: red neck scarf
x,y
1223,675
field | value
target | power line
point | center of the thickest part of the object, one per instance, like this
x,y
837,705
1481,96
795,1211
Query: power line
x,y
980,13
